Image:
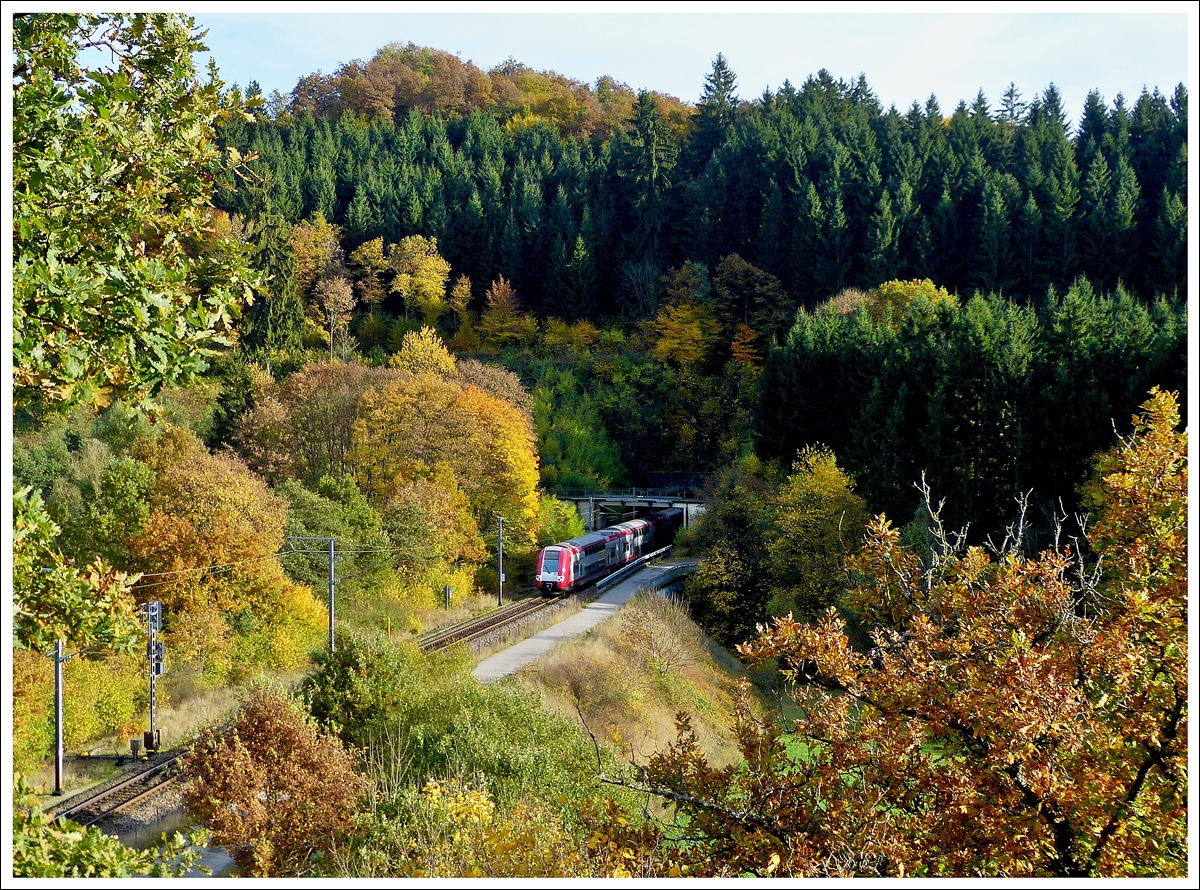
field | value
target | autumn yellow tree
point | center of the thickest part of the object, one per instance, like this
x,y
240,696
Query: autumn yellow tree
x,y
460,300
817,520
420,276
465,339
445,511
897,296
684,334
423,352
316,246
507,456
418,422
368,262
1014,716
497,381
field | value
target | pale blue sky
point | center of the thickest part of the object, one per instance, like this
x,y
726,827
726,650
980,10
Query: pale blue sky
x,y
904,56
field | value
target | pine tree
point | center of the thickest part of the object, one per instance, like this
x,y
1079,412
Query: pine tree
x,y
1061,224
1029,243
995,239
1011,107
883,242
581,281
1170,244
361,222
275,322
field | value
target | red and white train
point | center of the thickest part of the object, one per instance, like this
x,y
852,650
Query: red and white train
x,y
568,566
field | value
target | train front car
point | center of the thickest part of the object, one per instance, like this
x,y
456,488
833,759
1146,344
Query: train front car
x,y
563,567
553,573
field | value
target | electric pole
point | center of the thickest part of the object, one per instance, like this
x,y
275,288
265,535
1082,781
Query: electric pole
x,y
59,659
500,558
332,580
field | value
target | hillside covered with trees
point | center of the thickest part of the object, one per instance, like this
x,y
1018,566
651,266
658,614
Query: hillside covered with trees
x,y
925,367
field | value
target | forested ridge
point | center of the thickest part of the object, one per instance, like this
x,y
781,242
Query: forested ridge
x,y
712,227
926,369
819,186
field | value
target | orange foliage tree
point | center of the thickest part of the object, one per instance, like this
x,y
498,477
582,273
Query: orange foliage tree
x,y
1015,716
207,550
273,788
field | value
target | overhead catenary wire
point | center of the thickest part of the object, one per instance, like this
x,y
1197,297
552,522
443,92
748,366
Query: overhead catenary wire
x,y
222,567
203,570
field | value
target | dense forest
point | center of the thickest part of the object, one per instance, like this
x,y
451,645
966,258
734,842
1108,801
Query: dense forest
x,y
1063,249
818,186
412,298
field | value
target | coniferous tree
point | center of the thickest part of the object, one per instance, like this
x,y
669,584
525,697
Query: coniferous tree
x,y
646,157
715,114
816,184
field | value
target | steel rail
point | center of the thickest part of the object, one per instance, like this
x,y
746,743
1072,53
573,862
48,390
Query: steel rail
x,y
475,627
91,800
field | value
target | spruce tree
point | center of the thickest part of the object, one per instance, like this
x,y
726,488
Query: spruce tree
x,y
715,114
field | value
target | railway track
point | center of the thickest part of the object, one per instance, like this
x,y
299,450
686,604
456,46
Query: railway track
x,y
477,627
95,805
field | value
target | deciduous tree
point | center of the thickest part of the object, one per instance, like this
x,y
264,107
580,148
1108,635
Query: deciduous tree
x,y
684,334
1013,716
53,600
420,276
210,540
115,294
423,352
368,261
273,788
302,427
416,423
817,520
316,246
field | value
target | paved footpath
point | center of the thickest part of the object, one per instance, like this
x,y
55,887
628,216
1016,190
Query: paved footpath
x,y
532,648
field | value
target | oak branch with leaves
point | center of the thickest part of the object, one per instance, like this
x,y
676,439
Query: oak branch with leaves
x,y
117,289
1014,716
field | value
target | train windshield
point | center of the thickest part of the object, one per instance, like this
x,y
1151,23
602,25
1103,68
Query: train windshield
x,y
550,561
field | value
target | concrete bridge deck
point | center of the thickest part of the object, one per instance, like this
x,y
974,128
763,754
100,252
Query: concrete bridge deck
x,y
601,510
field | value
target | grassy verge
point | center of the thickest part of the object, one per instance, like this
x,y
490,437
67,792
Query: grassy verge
x,y
631,676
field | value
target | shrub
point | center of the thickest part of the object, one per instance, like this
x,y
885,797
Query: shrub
x,y
103,697
427,714
33,708
273,788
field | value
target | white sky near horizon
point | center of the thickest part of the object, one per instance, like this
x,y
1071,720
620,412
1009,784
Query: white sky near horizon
x,y
905,56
